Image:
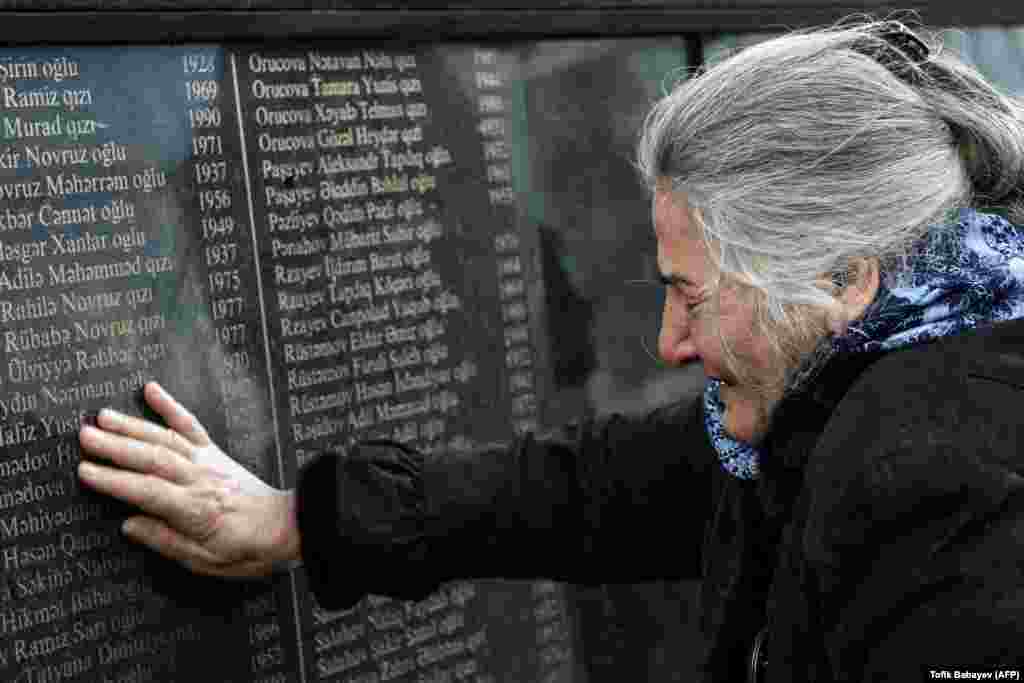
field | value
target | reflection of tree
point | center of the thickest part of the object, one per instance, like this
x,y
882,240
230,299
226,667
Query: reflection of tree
x,y
585,103
570,316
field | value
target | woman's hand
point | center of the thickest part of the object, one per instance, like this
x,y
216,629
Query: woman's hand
x,y
200,507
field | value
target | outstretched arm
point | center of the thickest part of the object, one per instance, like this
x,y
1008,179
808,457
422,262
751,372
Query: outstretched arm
x,y
568,505
198,506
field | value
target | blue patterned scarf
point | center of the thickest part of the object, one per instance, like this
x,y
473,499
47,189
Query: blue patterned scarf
x,y
961,275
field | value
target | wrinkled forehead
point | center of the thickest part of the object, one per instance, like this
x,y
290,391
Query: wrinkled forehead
x,y
682,252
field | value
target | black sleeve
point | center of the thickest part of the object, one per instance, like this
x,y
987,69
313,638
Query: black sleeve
x,y
611,500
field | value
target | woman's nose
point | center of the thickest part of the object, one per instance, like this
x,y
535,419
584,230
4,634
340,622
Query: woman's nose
x,y
675,343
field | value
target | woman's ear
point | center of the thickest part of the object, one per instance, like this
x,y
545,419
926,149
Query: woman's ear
x,y
861,288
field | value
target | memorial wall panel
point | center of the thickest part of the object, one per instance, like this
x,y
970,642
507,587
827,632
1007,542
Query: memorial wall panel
x,y
307,245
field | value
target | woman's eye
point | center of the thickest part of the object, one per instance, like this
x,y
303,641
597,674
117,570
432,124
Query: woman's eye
x,y
686,297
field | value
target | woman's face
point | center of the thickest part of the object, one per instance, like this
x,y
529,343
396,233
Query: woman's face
x,y
692,327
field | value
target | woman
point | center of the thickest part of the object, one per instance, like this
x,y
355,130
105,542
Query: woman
x,y
829,208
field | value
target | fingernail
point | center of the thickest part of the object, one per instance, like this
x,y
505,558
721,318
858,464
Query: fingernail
x,y
128,527
87,470
111,415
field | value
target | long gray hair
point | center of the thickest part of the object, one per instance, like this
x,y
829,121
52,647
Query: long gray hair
x,y
807,153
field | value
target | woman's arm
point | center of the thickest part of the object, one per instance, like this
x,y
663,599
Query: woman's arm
x,y
610,500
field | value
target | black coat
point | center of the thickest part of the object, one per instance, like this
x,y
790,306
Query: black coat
x,y
884,537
